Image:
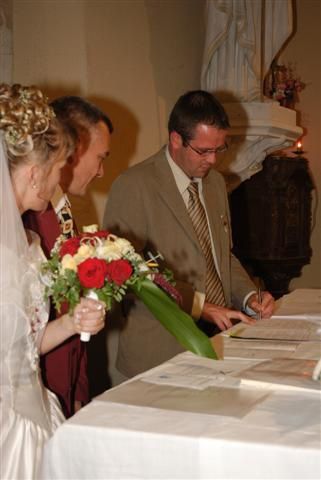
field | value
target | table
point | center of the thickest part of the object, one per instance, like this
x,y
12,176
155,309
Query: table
x,y
191,418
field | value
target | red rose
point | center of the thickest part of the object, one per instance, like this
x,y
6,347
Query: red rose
x,y
92,273
118,271
70,246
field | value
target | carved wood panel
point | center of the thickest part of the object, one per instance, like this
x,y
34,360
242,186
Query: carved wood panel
x,y
271,221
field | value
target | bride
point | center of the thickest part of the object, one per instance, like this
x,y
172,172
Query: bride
x,y
33,148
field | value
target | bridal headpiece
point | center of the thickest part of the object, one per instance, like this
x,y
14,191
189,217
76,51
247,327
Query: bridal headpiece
x,y
24,113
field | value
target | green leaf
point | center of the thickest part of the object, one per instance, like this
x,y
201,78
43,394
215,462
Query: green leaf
x,y
175,320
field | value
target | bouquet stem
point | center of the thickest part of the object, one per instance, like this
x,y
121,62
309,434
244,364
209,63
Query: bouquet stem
x,y
85,336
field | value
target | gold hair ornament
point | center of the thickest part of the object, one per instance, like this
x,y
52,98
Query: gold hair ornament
x,y
24,113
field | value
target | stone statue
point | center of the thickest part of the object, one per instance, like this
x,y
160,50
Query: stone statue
x,y
243,37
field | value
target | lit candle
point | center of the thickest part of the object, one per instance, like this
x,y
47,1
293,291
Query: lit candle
x,y
299,147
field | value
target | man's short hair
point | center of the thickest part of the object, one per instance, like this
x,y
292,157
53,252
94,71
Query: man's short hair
x,y
80,115
194,108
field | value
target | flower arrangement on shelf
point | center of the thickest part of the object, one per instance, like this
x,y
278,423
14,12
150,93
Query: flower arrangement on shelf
x,y
101,265
283,85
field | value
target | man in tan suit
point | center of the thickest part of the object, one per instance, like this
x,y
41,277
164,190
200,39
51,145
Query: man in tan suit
x,y
150,204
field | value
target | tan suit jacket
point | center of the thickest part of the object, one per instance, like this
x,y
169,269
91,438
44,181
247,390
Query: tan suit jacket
x,y
145,206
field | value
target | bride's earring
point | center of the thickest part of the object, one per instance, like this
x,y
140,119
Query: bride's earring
x,y
34,186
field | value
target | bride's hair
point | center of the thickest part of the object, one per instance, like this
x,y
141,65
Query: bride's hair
x,y
29,126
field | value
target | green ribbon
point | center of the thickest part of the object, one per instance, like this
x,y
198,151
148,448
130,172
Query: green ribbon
x,y
174,319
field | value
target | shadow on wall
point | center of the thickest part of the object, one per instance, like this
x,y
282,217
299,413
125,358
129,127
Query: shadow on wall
x,y
123,147
176,33
123,140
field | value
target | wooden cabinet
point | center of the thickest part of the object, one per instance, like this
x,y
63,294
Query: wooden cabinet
x,y
271,221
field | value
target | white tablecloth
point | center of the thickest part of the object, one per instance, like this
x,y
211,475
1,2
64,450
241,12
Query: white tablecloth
x,y
161,431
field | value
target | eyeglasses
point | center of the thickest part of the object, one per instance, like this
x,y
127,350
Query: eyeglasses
x,y
209,151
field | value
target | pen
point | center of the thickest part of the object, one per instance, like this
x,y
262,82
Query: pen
x,y
259,295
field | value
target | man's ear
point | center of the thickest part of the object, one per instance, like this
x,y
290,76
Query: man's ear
x,y
73,159
67,172
175,140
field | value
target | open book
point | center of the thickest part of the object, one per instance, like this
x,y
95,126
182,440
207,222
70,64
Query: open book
x,y
297,318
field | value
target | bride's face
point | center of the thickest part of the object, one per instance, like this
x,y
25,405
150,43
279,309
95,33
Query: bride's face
x,y
38,185
35,183
49,177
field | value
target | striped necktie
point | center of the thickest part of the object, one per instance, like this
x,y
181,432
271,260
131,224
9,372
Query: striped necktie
x,y
214,288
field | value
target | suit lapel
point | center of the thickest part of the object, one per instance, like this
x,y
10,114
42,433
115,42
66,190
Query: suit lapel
x,y
167,189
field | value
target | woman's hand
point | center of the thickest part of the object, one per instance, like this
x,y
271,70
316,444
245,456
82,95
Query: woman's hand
x,y
89,316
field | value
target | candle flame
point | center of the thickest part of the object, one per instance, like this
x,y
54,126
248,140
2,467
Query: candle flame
x,y
299,145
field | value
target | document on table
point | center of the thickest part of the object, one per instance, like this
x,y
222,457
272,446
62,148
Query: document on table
x,y
302,304
212,401
285,373
257,349
189,383
194,375
308,350
281,329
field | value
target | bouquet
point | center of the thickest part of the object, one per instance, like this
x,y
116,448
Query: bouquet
x,y
103,266
282,84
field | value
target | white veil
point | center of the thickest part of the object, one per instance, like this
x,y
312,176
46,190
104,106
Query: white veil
x,y
12,233
13,267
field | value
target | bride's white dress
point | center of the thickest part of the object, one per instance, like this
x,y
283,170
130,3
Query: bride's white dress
x,y
29,412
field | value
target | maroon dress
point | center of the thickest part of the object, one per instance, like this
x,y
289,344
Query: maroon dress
x,y
64,369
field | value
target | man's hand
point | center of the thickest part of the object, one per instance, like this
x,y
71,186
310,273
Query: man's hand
x,y
223,317
267,306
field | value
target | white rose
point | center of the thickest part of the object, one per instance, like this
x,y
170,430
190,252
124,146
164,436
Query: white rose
x,y
84,252
109,251
90,228
135,257
68,262
124,245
